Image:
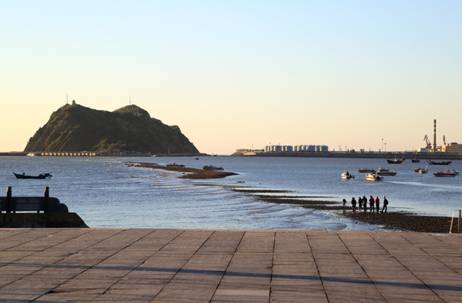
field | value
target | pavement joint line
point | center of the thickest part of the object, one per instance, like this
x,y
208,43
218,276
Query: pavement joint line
x,y
362,268
410,271
16,233
181,268
227,266
34,239
320,278
433,257
143,261
272,265
346,280
201,255
34,252
64,258
88,268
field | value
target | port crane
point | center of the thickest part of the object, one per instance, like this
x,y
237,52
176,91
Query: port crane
x,y
427,141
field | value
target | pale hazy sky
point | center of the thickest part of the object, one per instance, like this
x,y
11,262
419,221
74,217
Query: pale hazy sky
x,y
236,74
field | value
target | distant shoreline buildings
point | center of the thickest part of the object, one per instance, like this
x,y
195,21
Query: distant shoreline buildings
x,y
296,148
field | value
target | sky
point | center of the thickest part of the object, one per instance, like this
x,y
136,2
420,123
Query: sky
x,y
240,74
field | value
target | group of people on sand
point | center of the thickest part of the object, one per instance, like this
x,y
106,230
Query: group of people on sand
x,y
373,205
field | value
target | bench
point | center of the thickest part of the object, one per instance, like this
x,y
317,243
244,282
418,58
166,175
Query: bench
x,y
46,204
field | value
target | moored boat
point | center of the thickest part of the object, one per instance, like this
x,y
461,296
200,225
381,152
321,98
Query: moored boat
x,y
421,170
373,178
446,173
395,161
366,170
385,172
40,176
435,162
346,175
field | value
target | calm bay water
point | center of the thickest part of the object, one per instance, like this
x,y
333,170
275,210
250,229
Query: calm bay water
x,y
107,193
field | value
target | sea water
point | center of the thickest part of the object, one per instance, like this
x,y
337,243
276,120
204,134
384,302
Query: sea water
x,y
105,192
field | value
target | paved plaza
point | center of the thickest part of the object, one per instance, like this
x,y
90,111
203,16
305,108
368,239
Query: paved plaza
x,y
160,265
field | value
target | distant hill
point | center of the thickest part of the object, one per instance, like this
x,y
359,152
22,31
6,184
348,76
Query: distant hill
x,y
74,127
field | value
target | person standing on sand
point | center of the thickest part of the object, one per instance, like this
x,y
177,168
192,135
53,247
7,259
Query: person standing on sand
x,y
377,204
344,203
385,205
353,204
371,204
360,203
365,204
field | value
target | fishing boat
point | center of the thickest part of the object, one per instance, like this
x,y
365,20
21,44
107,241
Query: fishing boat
x,y
446,173
366,171
40,176
421,170
373,178
395,161
346,175
434,162
211,167
415,161
385,172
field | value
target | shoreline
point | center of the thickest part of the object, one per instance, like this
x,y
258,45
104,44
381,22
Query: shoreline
x,y
392,220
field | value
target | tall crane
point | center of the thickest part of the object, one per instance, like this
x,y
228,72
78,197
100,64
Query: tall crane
x,y
427,141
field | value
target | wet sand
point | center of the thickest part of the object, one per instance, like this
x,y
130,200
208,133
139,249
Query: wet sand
x,y
405,221
188,172
395,220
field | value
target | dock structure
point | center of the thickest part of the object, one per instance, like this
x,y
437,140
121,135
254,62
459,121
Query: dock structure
x,y
155,265
65,154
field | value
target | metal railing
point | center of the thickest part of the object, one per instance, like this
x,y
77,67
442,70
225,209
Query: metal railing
x,y
459,223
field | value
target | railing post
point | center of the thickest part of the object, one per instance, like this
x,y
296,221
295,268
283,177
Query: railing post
x,y
9,202
46,199
458,221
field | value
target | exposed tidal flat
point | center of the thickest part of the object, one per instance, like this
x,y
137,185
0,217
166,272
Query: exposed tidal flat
x,y
105,192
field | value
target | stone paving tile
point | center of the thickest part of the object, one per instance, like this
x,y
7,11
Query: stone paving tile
x,y
147,265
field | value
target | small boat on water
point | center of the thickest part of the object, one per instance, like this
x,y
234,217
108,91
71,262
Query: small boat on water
x,y
373,178
446,173
415,161
435,162
40,176
385,172
346,175
421,170
366,170
395,161
211,167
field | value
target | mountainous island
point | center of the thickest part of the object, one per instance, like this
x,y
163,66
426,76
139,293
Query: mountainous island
x,y
130,129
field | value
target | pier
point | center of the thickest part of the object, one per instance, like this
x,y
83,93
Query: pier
x,y
157,265
64,154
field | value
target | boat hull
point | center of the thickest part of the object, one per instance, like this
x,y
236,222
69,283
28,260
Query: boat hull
x,y
395,161
373,178
39,177
433,162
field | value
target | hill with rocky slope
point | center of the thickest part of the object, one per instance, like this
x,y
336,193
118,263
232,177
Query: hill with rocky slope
x,y
74,127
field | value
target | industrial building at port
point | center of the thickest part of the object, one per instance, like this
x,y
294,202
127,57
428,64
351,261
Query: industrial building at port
x,y
295,148
432,150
